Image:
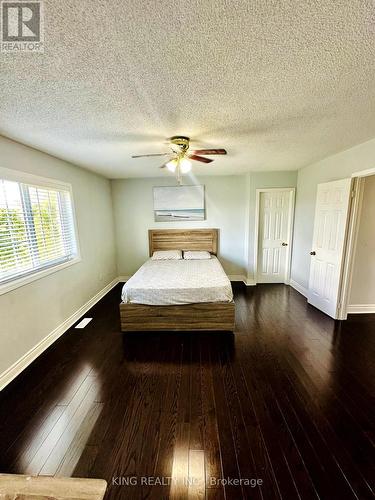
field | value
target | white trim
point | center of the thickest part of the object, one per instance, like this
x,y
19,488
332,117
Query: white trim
x,y
361,309
29,278
31,179
301,289
256,234
292,194
241,277
364,173
247,225
35,180
122,278
354,217
249,281
236,277
17,367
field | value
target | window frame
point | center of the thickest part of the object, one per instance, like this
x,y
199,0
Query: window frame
x,y
44,182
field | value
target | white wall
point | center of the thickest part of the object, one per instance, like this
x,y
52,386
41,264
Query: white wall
x,y
338,166
363,283
225,209
230,206
29,313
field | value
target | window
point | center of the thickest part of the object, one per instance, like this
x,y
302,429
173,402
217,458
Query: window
x,y
37,230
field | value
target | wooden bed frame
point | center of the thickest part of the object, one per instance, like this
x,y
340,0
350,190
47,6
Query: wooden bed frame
x,y
200,316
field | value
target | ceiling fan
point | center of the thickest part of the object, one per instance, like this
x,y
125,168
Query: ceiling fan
x,y
180,163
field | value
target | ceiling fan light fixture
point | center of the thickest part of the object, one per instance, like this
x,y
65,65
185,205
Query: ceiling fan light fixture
x,y
171,165
179,164
185,166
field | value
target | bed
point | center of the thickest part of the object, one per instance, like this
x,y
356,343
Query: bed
x,y
179,295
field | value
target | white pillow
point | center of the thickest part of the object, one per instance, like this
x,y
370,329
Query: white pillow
x,y
197,255
167,255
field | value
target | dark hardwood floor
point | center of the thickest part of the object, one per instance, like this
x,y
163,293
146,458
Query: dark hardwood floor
x,y
287,400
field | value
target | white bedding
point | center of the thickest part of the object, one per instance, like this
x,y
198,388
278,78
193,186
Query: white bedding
x,y
168,282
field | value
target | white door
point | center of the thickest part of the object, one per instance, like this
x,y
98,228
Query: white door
x,y
275,222
327,253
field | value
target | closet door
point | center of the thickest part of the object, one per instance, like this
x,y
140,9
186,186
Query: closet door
x,y
274,235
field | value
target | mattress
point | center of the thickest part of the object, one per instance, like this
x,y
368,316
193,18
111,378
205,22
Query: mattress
x,y
169,282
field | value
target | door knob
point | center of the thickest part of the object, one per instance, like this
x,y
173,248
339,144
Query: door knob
x,y
312,253
284,244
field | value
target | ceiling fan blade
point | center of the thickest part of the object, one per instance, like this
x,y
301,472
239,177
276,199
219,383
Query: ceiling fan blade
x,y
200,158
210,152
153,154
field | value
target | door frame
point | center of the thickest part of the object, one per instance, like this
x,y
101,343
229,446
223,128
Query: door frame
x,y
354,219
292,195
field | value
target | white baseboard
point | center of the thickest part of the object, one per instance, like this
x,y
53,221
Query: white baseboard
x,y
301,289
121,279
361,309
235,277
14,370
241,277
249,281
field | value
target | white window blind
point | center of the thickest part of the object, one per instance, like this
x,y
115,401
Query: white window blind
x,y
37,229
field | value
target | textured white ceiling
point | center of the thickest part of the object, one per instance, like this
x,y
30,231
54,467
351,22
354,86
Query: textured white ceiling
x,y
279,84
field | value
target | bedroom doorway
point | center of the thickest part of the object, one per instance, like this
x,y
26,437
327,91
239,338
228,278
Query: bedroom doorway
x,y
357,293
273,234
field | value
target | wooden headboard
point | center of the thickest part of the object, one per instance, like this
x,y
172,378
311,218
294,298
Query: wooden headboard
x,y
183,239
